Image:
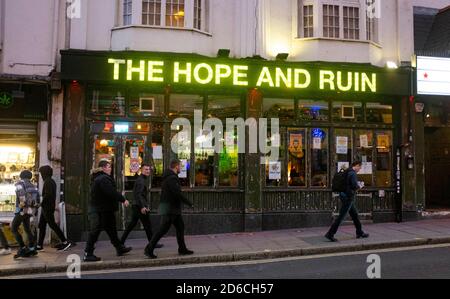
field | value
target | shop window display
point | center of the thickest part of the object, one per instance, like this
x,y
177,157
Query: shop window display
x,y
284,109
297,158
313,110
319,157
107,102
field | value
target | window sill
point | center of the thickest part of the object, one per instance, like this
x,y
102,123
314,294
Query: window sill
x,y
162,28
338,40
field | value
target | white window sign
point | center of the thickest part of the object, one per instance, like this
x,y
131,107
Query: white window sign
x,y
433,75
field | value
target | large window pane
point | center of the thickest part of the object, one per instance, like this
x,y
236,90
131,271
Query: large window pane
x,y
348,111
224,107
157,139
204,159
384,152
279,108
274,169
342,149
133,158
182,142
184,105
364,153
379,113
229,161
319,157
313,110
297,159
146,104
107,102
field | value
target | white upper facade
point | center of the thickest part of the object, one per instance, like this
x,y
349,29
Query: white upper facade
x,y
33,32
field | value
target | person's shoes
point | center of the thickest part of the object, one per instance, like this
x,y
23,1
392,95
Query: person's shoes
x,y
32,252
65,246
331,238
5,251
39,248
362,236
159,245
185,252
150,255
22,252
91,258
122,250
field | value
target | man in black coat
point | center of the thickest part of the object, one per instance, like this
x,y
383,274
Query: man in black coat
x,y
103,205
48,210
140,210
170,209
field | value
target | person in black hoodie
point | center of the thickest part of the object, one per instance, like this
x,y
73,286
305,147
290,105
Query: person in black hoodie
x,y
103,205
170,210
48,211
140,210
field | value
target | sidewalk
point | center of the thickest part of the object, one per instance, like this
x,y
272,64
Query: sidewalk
x,y
240,246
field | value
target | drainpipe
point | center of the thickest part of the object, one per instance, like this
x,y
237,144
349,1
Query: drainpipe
x,y
54,52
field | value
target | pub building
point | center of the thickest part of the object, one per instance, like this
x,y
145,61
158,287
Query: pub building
x,y
120,106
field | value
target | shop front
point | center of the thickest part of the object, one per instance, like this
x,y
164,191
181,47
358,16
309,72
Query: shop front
x,y
121,106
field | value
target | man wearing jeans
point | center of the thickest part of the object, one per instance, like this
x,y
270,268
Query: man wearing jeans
x,y
348,205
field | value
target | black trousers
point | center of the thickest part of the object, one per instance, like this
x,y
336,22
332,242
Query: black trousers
x,y
25,220
348,207
166,223
48,217
102,221
3,240
137,216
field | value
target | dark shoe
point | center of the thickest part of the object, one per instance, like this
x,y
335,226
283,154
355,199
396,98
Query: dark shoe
x,y
39,248
65,246
91,258
122,250
150,255
32,252
159,245
362,236
331,238
22,252
185,252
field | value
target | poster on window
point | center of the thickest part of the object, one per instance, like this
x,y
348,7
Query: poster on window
x,y
343,166
363,141
134,165
296,145
342,145
183,169
383,143
366,168
134,152
317,143
157,152
274,170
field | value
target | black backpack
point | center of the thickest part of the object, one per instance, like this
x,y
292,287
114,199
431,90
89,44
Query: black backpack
x,y
339,183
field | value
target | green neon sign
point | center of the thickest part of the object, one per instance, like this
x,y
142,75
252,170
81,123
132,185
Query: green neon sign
x,y
240,75
6,100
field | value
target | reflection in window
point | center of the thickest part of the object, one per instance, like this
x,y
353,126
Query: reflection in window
x,y
224,107
379,113
151,12
107,102
297,159
182,143
144,104
383,171
228,161
364,153
157,154
204,159
348,111
175,13
104,150
319,157
133,158
184,105
279,108
313,110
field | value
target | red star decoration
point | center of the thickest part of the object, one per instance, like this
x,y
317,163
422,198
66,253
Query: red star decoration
x,y
425,75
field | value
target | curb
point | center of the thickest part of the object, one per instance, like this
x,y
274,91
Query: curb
x,y
221,258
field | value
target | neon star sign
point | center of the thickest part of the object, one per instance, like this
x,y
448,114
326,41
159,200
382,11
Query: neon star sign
x,y
241,75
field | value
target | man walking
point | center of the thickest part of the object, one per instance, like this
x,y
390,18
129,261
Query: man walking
x,y
48,206
348,205
103,205
170,210
140,210
27,200
6,249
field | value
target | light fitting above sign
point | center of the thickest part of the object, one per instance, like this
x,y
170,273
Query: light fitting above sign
x,y
433,76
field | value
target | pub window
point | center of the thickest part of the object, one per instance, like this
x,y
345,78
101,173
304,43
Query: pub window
x,y
319,157
151,12
372,22
229,161
133,158
157,153
331,21
224,107
284,109
364,145
313,110
184,105
297,157
175,13
343,144
198,14
384,152
107,102
305,19
146,104
182,142
348,111
351,22
274,169
379,113
204,158
127,12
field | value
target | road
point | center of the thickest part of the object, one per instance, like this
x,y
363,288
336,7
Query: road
x,y
415,262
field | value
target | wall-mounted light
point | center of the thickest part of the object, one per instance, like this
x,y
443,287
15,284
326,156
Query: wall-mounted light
x,y
282,56
223,53
391,65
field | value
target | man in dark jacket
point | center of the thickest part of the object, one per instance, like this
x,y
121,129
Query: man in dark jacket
x,y
48,206
103,205
348,205
170,209
140,210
